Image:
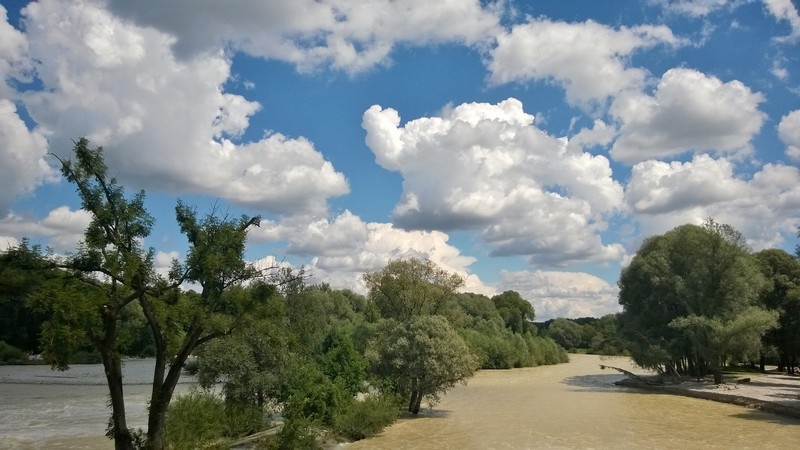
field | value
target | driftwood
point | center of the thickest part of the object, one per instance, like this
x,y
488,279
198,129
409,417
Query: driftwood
x,y
632,375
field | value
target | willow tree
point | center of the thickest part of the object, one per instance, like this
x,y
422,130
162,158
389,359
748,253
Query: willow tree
x,y
687,294
782,295
116,271
417,351
410,287
423,358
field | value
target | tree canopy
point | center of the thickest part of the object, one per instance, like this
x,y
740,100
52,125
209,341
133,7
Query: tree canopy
x,y
686,294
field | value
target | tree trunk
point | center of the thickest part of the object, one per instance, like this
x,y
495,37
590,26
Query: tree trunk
x,y
717,376
418,402
119,424
413,402
164,387
112,365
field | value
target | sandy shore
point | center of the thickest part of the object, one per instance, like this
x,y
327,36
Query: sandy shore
x,y
770,392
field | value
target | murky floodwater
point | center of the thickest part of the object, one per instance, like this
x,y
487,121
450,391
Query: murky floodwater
x,y
566,406
43,409
576,405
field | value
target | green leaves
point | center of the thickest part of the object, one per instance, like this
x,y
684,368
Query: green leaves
x,y
424,355
683,294
410,287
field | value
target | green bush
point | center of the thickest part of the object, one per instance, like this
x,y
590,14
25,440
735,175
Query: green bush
x,y
11,355
200,417
366,418
296,434
194,419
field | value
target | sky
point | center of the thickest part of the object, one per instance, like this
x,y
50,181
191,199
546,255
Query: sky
x,y
526,145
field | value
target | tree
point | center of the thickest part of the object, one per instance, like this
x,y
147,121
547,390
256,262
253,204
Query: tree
x,y
421,359
116,271
410,287
565,332
517,312
21,273
681,292
782,294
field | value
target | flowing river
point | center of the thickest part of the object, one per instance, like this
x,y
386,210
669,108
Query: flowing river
x,y
576,406
565,406
45,409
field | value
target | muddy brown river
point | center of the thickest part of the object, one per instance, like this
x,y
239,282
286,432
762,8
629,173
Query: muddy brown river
x,y
576,406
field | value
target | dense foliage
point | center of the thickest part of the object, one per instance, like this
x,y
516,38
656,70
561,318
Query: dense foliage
x,y
593,335
691,301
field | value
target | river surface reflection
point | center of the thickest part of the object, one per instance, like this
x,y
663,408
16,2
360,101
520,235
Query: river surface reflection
x,y
576,405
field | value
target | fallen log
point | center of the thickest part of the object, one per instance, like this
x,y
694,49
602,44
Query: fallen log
x,y
632,375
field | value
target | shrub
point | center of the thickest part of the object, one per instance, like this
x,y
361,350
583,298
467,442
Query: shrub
x,y
11,355
200,417
366,418
194,419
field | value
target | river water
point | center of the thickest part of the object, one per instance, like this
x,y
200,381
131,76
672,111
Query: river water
x,y
576,406
567,406
45,409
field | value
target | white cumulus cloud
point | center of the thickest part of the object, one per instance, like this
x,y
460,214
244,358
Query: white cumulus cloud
x,y
589,60
341,250
348,35
765,207
22,153
487,167
166,123
785,10
62,227
563,294
789,133
689,112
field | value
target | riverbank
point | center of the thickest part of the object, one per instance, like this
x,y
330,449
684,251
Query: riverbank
x,y
772,392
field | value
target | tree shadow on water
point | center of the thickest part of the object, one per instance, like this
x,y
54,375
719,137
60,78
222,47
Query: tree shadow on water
x,y
595,382
426,413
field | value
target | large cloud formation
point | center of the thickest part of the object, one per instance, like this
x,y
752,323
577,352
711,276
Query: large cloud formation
x,y
589,60
166,123
487,167
341,34
689,111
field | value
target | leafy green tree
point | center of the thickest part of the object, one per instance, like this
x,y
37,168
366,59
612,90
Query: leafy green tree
x,y
566,333
682,285
409,287
421,359
715,339
517,312
116,271
782,294
21,273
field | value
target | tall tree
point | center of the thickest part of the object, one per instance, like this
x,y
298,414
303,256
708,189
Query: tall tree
x,y
117,271
782,294
516,311
409,287
684,290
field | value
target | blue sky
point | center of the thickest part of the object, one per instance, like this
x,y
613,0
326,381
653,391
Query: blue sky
x,y
526,145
